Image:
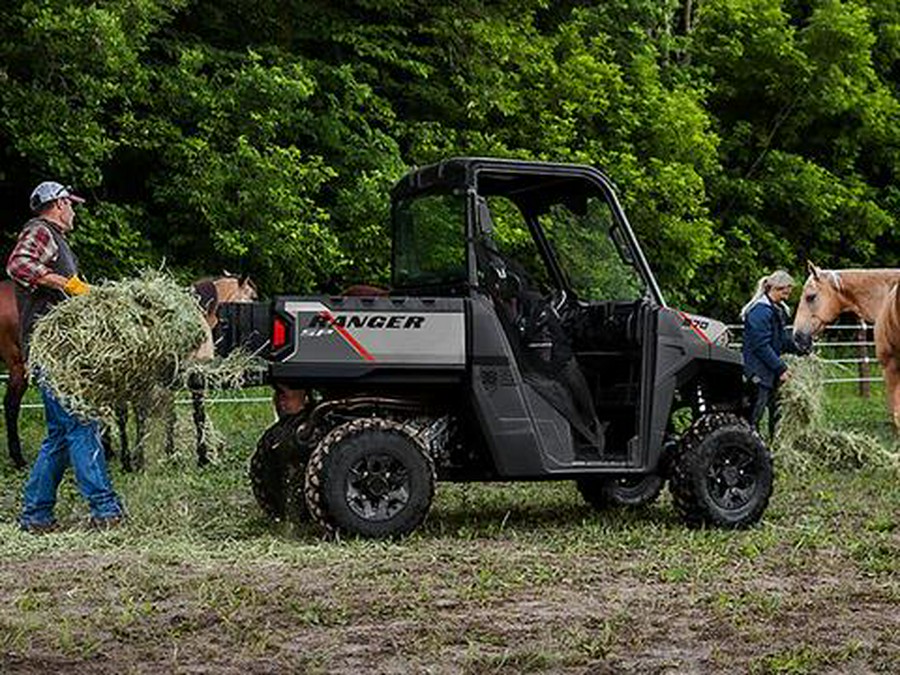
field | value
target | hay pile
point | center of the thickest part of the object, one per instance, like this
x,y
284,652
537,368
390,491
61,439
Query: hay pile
x,y
122,342
804,438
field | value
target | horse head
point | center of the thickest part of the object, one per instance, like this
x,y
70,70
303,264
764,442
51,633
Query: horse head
x,y
820,304
211,293
233,288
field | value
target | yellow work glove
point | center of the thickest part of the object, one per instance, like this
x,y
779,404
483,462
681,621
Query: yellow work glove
x,y
75,286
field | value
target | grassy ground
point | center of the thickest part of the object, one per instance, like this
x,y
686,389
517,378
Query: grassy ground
x,y
501,579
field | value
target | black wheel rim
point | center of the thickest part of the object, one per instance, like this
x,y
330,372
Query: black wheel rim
x,y
732,477
634,486
377,487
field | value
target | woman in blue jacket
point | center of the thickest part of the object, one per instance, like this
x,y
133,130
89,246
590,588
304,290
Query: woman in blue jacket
x,y
766,338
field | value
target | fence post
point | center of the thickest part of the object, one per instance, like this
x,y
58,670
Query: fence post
x,y
863,352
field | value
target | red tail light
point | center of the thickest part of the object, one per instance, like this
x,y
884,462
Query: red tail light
x,y
279,333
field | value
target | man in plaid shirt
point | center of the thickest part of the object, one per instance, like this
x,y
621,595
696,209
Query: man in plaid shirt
x,y
46,272
34,253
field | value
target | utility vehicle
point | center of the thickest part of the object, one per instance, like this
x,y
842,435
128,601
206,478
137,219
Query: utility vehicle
x,y
524,337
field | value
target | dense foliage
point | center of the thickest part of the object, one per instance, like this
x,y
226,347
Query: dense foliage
x,y
264,136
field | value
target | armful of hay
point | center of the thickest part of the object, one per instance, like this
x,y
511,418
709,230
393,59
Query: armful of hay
x,y
102,351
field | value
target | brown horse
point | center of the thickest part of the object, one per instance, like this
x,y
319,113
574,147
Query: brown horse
x,y
11,353
212,293
869,294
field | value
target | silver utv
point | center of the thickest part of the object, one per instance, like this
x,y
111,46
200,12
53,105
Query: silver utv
x,y
524,337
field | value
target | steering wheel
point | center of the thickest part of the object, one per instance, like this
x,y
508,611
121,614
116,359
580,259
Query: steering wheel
x,y
540,313
558,300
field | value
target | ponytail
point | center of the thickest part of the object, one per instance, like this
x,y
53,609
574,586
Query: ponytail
x,y
777,279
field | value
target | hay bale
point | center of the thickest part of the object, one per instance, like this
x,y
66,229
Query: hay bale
x,y
113,346
802,396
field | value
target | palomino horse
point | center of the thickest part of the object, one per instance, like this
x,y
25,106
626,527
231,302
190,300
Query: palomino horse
x,y
212,293
869,294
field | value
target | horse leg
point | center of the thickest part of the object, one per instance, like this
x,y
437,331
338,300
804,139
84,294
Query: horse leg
x,y
892,388
140,421
170,413
124,450
106,441
200,426
12,404
196,386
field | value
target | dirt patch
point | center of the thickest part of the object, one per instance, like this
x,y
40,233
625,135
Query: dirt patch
x,y
116,613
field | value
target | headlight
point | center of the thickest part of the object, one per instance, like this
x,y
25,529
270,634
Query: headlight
x,y
724,338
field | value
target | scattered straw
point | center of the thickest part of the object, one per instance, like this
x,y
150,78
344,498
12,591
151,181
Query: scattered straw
x,y
804,439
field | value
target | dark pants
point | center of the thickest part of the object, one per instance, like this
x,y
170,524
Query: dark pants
x,y
765,398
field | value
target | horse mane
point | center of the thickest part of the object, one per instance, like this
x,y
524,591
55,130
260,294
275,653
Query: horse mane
x,y
240,278
862,290
207,294
834,276
889,318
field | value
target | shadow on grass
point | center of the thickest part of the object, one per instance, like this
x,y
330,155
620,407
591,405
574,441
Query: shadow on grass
x,y
522,515
466,511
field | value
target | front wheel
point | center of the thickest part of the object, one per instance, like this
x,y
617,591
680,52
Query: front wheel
x,y
370,478
722,474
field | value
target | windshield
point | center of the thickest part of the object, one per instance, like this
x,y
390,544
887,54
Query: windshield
x,y
430,241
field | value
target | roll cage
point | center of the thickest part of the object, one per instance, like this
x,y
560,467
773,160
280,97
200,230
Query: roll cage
x,y
533,187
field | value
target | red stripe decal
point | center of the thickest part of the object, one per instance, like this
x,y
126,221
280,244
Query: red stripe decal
x,y
352,341
694,327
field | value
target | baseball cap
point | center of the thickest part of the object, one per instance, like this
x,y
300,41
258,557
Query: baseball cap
x,y
49,191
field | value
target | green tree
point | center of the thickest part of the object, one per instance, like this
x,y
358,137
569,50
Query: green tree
x,y
264,137
809,136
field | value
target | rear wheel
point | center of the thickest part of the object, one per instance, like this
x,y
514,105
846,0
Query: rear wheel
x,y
277,469
370,478
722,474
603,493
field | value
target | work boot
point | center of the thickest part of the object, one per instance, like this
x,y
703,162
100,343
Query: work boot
x,y
103,524
40,528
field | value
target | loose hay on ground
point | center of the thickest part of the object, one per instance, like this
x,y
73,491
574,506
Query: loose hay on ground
x,y
804,438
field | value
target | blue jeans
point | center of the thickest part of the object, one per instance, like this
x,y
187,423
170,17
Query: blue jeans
x,y
70,440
